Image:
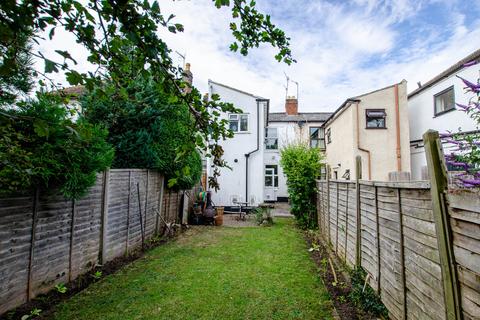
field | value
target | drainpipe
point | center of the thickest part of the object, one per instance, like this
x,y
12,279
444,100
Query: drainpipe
x,y
247,155
397,118
358,144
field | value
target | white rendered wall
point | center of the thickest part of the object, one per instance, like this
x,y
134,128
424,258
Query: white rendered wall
x,y
232,182
422,117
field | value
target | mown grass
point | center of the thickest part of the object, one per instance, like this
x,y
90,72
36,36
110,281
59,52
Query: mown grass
x,y
212,273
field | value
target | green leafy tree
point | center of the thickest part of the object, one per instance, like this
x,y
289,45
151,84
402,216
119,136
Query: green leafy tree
x,y
41,146
149,131
301,165
106,27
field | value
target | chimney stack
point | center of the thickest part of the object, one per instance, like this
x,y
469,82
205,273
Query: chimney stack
x,y
188,78
291,106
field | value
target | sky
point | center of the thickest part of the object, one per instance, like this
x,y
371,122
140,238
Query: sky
x,y
343,48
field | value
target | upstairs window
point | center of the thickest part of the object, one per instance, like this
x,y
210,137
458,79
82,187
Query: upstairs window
x,y
317,137
271,139
329,135
238,122
376,118
444,101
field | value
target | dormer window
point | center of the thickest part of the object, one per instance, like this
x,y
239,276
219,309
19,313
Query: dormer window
x,y
238,122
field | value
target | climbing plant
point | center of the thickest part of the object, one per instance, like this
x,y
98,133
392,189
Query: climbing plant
x,y
301,165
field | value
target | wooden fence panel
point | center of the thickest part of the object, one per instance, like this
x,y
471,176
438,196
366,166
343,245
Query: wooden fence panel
x,y
51,243
116,230
87,223
464,212
67,235
15,242
398,243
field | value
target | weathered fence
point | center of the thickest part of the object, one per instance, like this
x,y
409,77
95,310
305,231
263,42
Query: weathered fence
x,y
420,246
46,239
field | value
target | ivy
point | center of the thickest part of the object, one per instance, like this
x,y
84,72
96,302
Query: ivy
x,y
301,165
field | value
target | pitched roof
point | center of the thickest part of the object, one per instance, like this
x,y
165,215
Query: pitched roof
x,y
73,91
475,56
301,116
235,89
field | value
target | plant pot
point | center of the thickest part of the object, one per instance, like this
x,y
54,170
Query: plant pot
x,y
219,220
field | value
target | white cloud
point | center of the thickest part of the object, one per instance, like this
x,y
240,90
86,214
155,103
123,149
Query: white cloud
x,y
343,49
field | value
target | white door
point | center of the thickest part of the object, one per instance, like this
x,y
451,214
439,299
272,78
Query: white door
x,y
271,182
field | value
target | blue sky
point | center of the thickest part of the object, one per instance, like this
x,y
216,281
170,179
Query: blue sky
x,y
343,48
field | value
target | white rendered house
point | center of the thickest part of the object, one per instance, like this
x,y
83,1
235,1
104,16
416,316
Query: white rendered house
x,y
433,106
285,128
244,152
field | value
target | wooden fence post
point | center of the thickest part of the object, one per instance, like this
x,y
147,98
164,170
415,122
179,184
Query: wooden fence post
x,y
72,232
336,223
377,226
438,186
346,226
104,217
328,204
36,202
160,205
128,211
358,176
402,256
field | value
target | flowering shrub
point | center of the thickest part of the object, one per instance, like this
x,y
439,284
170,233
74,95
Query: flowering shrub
x,y
466,152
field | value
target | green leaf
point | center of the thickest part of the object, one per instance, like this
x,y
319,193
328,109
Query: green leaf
x,y
50,66
40,127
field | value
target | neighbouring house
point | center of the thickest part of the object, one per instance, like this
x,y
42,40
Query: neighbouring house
x,y
373,126
285,128
244,152
432,106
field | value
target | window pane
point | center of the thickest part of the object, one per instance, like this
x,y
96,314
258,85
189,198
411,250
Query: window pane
x,y
314,132
375,122
271,143
243,122
313,143
276,181
445,101
321,144
234,125
268,181
271,132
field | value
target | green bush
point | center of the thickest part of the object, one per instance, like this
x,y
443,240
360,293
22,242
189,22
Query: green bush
x,y
301,165
148,128
40,145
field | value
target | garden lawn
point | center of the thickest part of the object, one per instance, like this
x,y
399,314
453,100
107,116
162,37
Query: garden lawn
x,y
212,273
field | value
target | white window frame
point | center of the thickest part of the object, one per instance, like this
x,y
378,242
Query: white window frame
x,y
271,172
237,117
271,137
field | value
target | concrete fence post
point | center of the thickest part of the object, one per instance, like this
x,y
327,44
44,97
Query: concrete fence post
x,y
438,186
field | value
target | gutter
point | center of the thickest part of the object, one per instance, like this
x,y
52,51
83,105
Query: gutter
x,y
358,144
247,155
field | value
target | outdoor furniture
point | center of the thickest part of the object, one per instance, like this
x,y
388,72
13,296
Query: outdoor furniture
x,y
242,215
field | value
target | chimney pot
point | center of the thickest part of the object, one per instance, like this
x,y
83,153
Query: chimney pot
x,y
291,105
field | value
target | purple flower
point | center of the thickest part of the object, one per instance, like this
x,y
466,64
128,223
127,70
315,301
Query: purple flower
x,y
474,87
471,63
463,107
472,182
445,135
